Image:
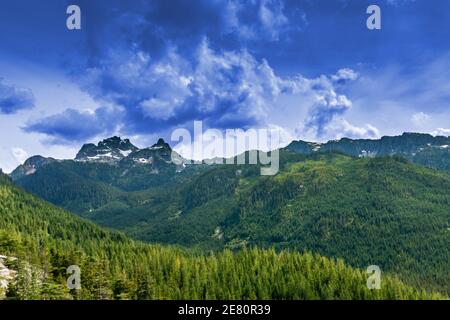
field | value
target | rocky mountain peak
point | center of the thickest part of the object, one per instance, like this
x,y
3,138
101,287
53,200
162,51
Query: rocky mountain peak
x,y
117,143
161,144
160,152
30,166
109,150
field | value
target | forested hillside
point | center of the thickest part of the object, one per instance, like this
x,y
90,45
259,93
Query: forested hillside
x,y
364,209
45,240
382,211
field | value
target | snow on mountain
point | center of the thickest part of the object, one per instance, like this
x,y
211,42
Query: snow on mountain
x,y
110,150
113,151
408,144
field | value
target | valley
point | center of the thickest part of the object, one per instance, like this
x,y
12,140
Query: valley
x,y
46,240
360,201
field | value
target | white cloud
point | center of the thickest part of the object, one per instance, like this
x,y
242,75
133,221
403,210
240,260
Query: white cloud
x,y
420,119
340,128
272,21
225,89
214,143
441,132
272,17
328,104
397,100
398,2
344,75
19,154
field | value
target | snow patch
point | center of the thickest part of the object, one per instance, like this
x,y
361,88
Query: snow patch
x,y
143,160
126,153
30,171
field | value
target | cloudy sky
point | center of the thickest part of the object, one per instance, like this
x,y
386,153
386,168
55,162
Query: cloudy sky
x,y
141,69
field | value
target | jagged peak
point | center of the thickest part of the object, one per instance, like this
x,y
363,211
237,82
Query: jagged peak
x,y
111,149
161,144
117,142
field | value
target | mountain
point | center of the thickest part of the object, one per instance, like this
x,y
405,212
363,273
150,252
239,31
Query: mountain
x,y
30,166
382,211
38,242
423,149
72,185
110,150
158,156
119,155
115,151
364,209
101,174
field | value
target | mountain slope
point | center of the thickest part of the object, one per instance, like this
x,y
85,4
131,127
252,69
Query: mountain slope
x,y
105,174
379,211
366,210
47,240
423,149
382,211
60,184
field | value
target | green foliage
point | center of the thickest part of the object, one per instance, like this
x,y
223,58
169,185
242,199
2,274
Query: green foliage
x,y
46,240
382,211
60,184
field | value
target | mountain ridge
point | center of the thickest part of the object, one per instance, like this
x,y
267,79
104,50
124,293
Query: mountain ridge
x,y
367,203
407,143
410,144
112,151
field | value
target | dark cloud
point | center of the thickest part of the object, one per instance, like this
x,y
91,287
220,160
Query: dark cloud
x,y
13,99
225,90
163,64
75,126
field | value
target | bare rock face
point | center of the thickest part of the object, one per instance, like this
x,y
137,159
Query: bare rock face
x,y
6,276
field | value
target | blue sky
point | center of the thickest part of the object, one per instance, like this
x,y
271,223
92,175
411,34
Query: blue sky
x,y
141,69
